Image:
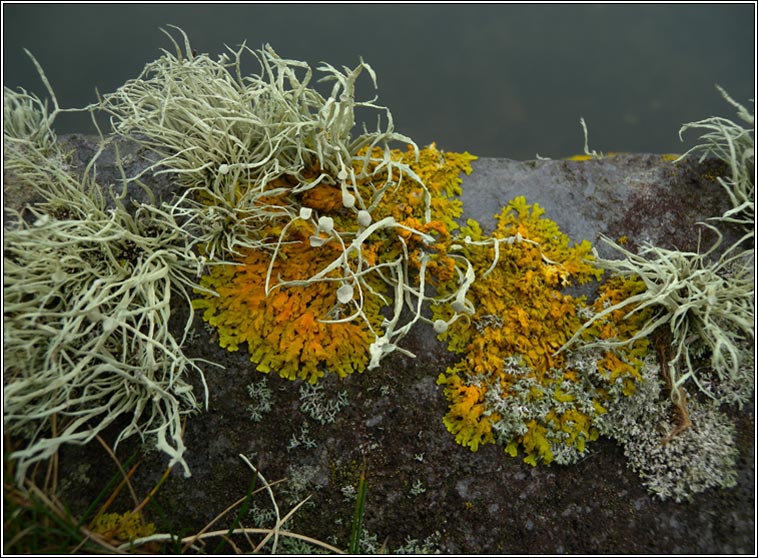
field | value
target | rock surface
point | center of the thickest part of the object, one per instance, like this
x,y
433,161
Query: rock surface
x,y
420,482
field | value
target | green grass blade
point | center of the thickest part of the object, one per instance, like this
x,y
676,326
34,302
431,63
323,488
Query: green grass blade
x,y
360,503
242,512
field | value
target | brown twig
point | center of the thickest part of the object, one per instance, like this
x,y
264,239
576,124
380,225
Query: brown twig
x,y
662,341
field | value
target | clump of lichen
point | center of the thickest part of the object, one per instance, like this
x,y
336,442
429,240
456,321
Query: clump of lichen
x,y
28,134
291,330
301,328
331,224
87,298
698,309
511,385
672,467
701,304
733,144
121,528
247,147
86,338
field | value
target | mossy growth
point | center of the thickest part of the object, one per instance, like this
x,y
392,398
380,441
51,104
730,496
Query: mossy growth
x,y
124,527
512,386
301,328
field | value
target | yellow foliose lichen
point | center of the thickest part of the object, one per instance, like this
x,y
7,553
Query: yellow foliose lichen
x,y
293,330
513,385
299,328
440,183
466,418
122,527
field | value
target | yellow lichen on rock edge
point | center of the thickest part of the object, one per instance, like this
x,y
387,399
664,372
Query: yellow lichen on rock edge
x,y
511,384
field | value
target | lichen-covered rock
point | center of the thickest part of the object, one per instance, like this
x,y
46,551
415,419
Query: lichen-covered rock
x,y
479,502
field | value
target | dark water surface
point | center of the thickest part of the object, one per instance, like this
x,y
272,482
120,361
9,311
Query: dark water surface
x,y
498,80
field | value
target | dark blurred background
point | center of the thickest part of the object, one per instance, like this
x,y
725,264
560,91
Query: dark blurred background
x,y
498,80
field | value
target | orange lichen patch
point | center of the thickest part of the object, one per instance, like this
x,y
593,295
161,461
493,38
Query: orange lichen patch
x,y
523,316
271,200
323,197
523,289
284,330
439,172
620,324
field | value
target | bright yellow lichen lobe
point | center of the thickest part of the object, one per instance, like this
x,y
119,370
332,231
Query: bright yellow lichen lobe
x,y
124,527
440,183
512,385
590,156
287,331
299,328
466,418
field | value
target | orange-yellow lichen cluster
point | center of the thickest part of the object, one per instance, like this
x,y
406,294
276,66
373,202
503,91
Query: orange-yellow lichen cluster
x,y
512,385
284,330
301,329
438,187
121,527
623,363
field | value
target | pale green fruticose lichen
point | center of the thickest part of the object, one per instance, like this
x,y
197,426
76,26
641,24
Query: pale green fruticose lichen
x,y
87,295
733,144
249,148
